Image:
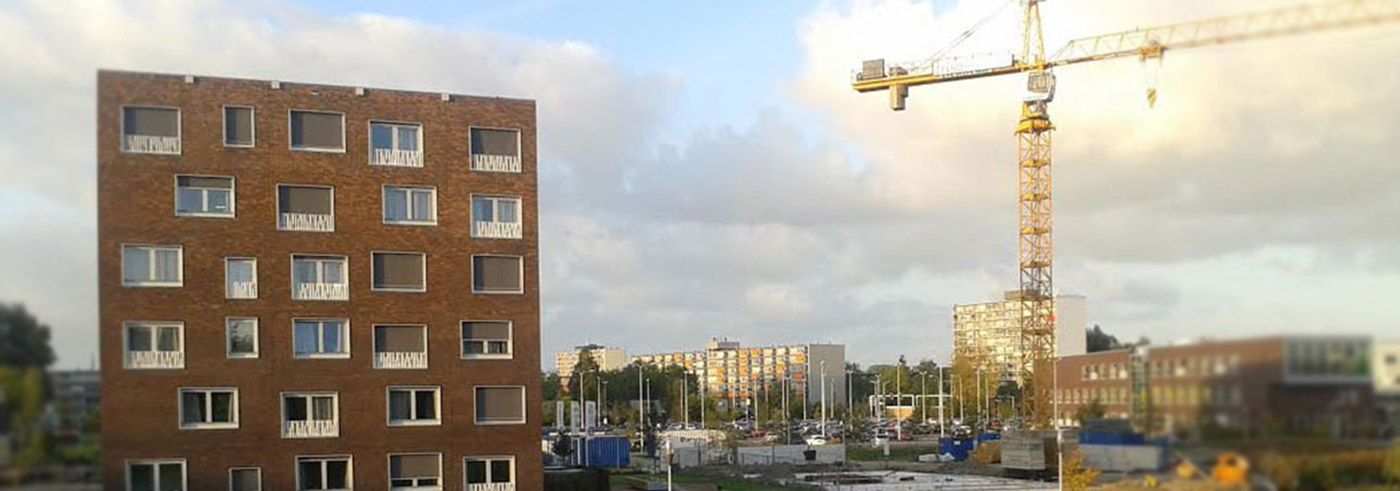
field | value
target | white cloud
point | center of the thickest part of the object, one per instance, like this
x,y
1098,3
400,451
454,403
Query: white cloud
x,y
859,225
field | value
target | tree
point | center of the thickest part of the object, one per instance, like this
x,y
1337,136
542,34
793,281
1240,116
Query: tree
x,y
1101,341
24,341
1088,412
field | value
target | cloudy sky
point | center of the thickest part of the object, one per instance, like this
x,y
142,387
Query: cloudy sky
x,y
707,171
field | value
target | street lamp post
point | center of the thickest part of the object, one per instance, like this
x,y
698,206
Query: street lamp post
x,y
603,401
823,365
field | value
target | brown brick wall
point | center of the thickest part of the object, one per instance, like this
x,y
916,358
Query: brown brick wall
x,y
136,205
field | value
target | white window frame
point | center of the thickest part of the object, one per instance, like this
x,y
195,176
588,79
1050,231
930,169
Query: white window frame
x,y
495,207
349,468
151,265
384,200
126,340
228,294
228,339
524,409
519,141
423,264
412,406
320,337
320,273
510,342
487,458
374,333
252,133
522,275
231,470
184,471
295,148
179,129
208,408
277,203
389,466
232,197
369,138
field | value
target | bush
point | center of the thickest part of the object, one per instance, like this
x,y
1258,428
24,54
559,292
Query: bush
x,y
988,452
1392,464
1075,476
1326,471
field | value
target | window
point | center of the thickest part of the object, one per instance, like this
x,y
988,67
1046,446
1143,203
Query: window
x,y
305,208
413,406
496,217
319,278
204,196
151,130
408,205
324,473
500,405
321,338
155,475
495,150
399,271
497,274
486,339
317,131
144,265
395,144
238,126
245,479
401,347
483,470
242,333
208,408
241,278
415,471
151,345
310,415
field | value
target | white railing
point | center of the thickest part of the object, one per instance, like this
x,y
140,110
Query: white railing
x,y
496,163
242,289
496,230
311,428
399,360
321,291
155,359
151,144
306,222
491,486
399,158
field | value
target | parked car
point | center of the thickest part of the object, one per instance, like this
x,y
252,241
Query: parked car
x,y
816,440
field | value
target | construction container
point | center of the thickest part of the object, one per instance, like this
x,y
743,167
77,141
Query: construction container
x,y
1089,438
959,448
987,437
1029,453
609,451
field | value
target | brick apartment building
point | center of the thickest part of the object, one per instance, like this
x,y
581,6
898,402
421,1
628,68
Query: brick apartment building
x,y
1295,383
316,287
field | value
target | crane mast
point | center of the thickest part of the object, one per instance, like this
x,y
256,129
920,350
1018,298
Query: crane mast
x,y
1035,255
1036,248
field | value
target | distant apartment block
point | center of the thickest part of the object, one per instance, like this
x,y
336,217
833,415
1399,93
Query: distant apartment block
x,y
737,375
606,358
1385,366
991,332
76,398
1299,383
313,287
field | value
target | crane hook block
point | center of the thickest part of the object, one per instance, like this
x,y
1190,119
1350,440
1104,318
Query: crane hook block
x,y
898,93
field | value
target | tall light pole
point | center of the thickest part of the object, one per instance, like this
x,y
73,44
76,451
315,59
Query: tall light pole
x,y
923,395
641,415
685,401
941,422
823,365
704,380
604,402
850,411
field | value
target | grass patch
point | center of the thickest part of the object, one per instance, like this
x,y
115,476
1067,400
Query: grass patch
x,y
867,453
727,484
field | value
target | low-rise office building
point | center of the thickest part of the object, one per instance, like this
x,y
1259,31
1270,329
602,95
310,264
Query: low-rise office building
x,y
1319,384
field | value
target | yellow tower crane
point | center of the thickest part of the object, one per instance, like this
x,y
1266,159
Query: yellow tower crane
x,y
1036,250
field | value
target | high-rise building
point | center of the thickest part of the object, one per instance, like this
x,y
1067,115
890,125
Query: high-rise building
x,y
1304,384
990,333
309,286
606,358
739,376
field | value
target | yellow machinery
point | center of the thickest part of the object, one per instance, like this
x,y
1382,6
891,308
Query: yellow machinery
x,y
1036,256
